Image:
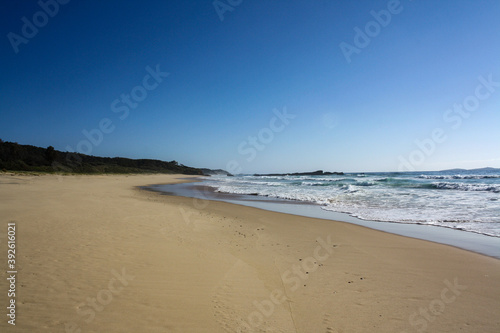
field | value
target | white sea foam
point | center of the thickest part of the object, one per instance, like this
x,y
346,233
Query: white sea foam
x,y
468,187
467,201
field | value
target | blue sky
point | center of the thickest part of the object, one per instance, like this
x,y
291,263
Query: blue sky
x,y
269,88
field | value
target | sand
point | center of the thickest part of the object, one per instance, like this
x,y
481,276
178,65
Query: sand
x,y
96,254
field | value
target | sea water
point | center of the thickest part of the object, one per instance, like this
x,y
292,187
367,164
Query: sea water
x,y
460,199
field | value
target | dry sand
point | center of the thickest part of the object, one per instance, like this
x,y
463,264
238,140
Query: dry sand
x,y
95,254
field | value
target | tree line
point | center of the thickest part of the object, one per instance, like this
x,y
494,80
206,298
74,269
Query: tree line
x,y
17,157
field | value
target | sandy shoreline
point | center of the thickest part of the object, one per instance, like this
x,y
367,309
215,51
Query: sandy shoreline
x,y
470,241
96,254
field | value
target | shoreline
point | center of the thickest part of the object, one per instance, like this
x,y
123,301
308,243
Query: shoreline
x,y
99,254
466,240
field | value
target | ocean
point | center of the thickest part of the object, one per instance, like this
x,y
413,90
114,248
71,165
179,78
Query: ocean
x,y
467,200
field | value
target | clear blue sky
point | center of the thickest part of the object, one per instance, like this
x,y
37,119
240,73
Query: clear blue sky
x,y
357,110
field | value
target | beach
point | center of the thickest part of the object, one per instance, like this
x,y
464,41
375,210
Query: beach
x,y
99,254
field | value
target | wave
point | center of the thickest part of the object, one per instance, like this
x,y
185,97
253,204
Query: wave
x,y
326,182
383,179
466,187
490,227
455,186
463,201
459,176
298,178
367,183
349,188
340,183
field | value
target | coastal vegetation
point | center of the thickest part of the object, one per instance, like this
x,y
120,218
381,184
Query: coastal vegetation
x,y
17,157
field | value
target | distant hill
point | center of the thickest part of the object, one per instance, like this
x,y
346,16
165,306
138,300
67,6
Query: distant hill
x,y
488,169
453,170
16,157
